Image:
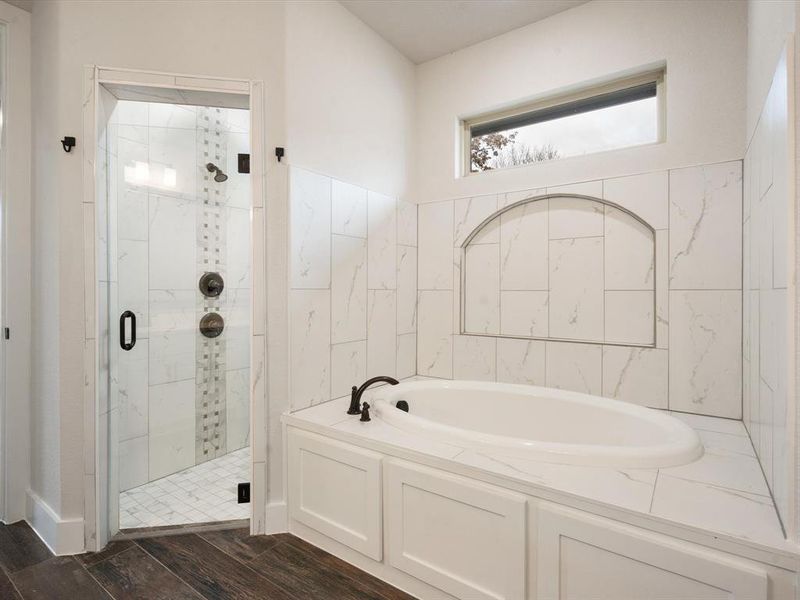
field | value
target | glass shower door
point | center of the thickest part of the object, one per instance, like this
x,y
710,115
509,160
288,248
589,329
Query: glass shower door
x,y
179,227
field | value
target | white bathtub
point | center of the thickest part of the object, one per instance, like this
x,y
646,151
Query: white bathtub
x,y
540,423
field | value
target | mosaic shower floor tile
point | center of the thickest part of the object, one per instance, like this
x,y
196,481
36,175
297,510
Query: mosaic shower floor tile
x,y
203,493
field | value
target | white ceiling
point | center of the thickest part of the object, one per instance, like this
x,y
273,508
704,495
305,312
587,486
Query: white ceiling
x,y
426,29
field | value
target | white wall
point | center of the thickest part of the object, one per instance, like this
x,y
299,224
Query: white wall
x,y
244,41
17,246
769,24
349,99
225,39
701,42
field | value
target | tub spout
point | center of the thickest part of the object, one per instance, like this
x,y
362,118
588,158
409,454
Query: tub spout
x,y
356,393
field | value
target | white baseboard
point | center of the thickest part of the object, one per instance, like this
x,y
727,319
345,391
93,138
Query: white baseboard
x,y
62,536
277,520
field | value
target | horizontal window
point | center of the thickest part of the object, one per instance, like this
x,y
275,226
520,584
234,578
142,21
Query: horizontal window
x,y
620,115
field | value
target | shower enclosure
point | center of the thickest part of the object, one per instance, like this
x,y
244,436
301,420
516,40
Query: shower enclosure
x,y
177,192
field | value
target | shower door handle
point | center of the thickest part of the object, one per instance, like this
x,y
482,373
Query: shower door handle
x,y
122,343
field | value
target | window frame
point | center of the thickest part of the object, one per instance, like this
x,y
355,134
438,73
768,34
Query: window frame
x,y
656,76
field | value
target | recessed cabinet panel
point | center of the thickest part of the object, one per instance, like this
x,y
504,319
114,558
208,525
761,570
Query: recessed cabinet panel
x,y
463,537
336,489
581,556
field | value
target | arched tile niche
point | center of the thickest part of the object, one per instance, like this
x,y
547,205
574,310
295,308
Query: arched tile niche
x,y
562,267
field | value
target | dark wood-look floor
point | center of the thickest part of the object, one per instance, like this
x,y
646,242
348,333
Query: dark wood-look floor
x,y
213,565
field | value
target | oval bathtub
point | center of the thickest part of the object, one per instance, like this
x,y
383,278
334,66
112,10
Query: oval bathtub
x,y
540,423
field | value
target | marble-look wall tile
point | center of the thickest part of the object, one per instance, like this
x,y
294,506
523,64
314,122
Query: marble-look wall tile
x,y
629,253
629,317
181,116
645,195
131,113
637,375
348,209
584,188
348,289
576,288
406,355
381,333
406,289
706,227
524,247
173,233
576,367
237,328
471,212
237,248
310,340
132,389
173,149
662,288
521,361
769,354
406,223
574,217
482,293
435,243
171,428
237,408
171,335
434,337
132,215
381,242
474,357
310,205
133,463
132,271
516,196
348,367
705,352
523,314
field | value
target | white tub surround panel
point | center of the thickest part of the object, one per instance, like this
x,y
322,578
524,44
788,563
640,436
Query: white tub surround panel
x,y
353,311
564,270
767,315
616,529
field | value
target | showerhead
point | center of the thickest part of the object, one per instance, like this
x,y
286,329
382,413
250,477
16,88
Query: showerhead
x,y
219,177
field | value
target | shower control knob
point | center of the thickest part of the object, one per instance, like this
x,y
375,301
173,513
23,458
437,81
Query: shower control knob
x,y
212,324
211,284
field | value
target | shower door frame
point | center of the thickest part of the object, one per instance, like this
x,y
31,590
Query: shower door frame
x,y
95,403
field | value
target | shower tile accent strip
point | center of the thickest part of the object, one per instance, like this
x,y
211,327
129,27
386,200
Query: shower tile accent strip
x,y
210,397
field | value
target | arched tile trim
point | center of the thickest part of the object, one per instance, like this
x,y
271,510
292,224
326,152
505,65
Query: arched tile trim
x,y
531,199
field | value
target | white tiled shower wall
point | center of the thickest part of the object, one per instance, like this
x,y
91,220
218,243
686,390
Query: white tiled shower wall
x,y
353,287
157,183
695,365
766,306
